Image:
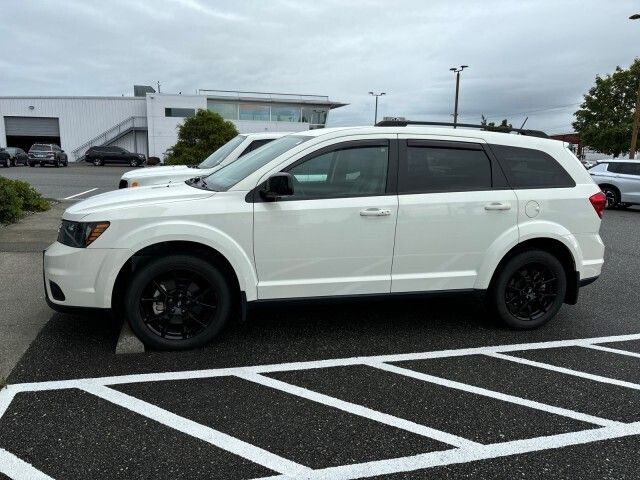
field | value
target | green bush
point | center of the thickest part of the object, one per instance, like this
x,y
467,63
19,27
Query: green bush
x,y
32,201
198,137
16,198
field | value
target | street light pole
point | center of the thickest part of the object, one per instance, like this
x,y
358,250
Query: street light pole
x,y
457,71
375,118
636,116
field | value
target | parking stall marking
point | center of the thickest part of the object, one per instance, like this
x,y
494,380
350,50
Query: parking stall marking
x,y
18,469
567,371
464,449
493,394
613,350
81,193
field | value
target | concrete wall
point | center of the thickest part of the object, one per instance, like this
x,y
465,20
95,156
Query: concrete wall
x,y
81,118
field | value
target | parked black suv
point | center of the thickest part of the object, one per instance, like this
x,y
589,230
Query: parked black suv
x,y
47,154
5,158
101,155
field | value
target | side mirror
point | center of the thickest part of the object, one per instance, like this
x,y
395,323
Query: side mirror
x,y
278,185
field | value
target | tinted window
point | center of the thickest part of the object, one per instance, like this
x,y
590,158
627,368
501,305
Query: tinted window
x,y
434,169
179,112
40,147
255,145
627,168
614,167
357,171
223,152
529,168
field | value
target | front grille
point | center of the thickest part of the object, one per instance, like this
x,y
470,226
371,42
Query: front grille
x,y
123,184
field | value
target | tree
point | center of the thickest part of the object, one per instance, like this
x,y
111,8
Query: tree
x,y
605,117
198,137
492,127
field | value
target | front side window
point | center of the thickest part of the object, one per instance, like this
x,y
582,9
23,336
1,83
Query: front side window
x,y
529,168
628,168
345,172
435,169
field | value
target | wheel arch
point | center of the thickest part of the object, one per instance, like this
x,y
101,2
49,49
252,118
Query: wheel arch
x,y
558,249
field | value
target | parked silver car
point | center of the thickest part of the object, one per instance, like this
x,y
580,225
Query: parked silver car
x,y
619,180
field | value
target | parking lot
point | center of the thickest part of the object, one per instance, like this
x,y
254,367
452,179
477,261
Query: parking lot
x,y
75,182
420,388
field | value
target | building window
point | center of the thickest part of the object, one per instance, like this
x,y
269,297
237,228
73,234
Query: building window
x,y
179,112
227,110
251,111
285,114
314,115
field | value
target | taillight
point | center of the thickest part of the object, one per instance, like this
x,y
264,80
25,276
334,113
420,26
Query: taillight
x,y
599,202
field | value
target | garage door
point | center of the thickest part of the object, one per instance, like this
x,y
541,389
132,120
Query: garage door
x,y
31,126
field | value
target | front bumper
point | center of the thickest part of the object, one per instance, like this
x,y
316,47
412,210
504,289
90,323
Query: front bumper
x,y
84,275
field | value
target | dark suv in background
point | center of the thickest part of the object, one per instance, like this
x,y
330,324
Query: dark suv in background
x,y
101,155
47,154
16,156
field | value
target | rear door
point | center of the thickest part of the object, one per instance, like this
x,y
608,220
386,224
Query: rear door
x,y
454,207
628,181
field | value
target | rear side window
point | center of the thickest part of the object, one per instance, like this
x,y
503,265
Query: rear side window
x,y
434,169
625,168
529,168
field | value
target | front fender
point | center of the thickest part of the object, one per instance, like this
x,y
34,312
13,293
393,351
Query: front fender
x,y
180,230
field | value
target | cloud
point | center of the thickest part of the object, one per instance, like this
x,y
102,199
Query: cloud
x,y
530,58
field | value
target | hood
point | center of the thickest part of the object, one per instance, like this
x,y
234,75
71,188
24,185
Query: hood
x,y
151,171
135,197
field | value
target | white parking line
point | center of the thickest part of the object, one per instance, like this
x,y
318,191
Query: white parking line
x,y
360,411
567,371
456,456
17,469
612,350
583,417
78,194
209,435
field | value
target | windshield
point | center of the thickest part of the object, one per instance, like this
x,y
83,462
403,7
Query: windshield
x,y
42,148
228,176
223,152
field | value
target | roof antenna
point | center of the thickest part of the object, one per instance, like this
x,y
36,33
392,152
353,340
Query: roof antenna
x,y
525,121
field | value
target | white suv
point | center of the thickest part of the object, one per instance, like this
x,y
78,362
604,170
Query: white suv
x,y
226,154
338,212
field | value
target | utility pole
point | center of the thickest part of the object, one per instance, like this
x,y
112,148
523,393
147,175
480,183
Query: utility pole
x,y
158,86
457,71
375,118
636,116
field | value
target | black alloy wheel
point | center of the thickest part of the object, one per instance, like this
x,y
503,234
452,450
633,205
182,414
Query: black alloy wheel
x,y
528,290
531,291
133,162
178,302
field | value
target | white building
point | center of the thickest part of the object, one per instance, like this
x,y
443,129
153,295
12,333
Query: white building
x,y
148,123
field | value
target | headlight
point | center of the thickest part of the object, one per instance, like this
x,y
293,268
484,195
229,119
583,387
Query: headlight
x,y
80,234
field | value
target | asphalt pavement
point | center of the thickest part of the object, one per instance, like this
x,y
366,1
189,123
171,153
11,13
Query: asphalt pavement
x,y
398,389
77,181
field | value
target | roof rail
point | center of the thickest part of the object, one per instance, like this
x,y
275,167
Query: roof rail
x,y
404,123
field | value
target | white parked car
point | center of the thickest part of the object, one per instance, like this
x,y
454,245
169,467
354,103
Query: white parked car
x,y
338,212
619,181
226,154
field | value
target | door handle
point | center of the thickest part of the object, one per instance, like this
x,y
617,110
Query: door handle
x,y
497,206
375,212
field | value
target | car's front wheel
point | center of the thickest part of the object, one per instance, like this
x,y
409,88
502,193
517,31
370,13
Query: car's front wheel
x,y
178,302
528,290
133,162
97,162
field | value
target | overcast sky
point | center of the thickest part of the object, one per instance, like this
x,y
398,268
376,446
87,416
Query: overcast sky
x,y
532,58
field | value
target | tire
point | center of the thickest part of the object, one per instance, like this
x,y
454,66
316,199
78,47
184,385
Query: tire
x,y
97,162
612,194
57,164
133,162
189,323
528,290
31,164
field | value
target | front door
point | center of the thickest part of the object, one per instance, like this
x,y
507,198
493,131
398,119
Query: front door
x,y
453,208
335,235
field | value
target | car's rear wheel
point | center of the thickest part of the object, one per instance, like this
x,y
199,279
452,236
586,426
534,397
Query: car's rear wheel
x,y
612,194
528,290
31,164
97,162
133,162
178,302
